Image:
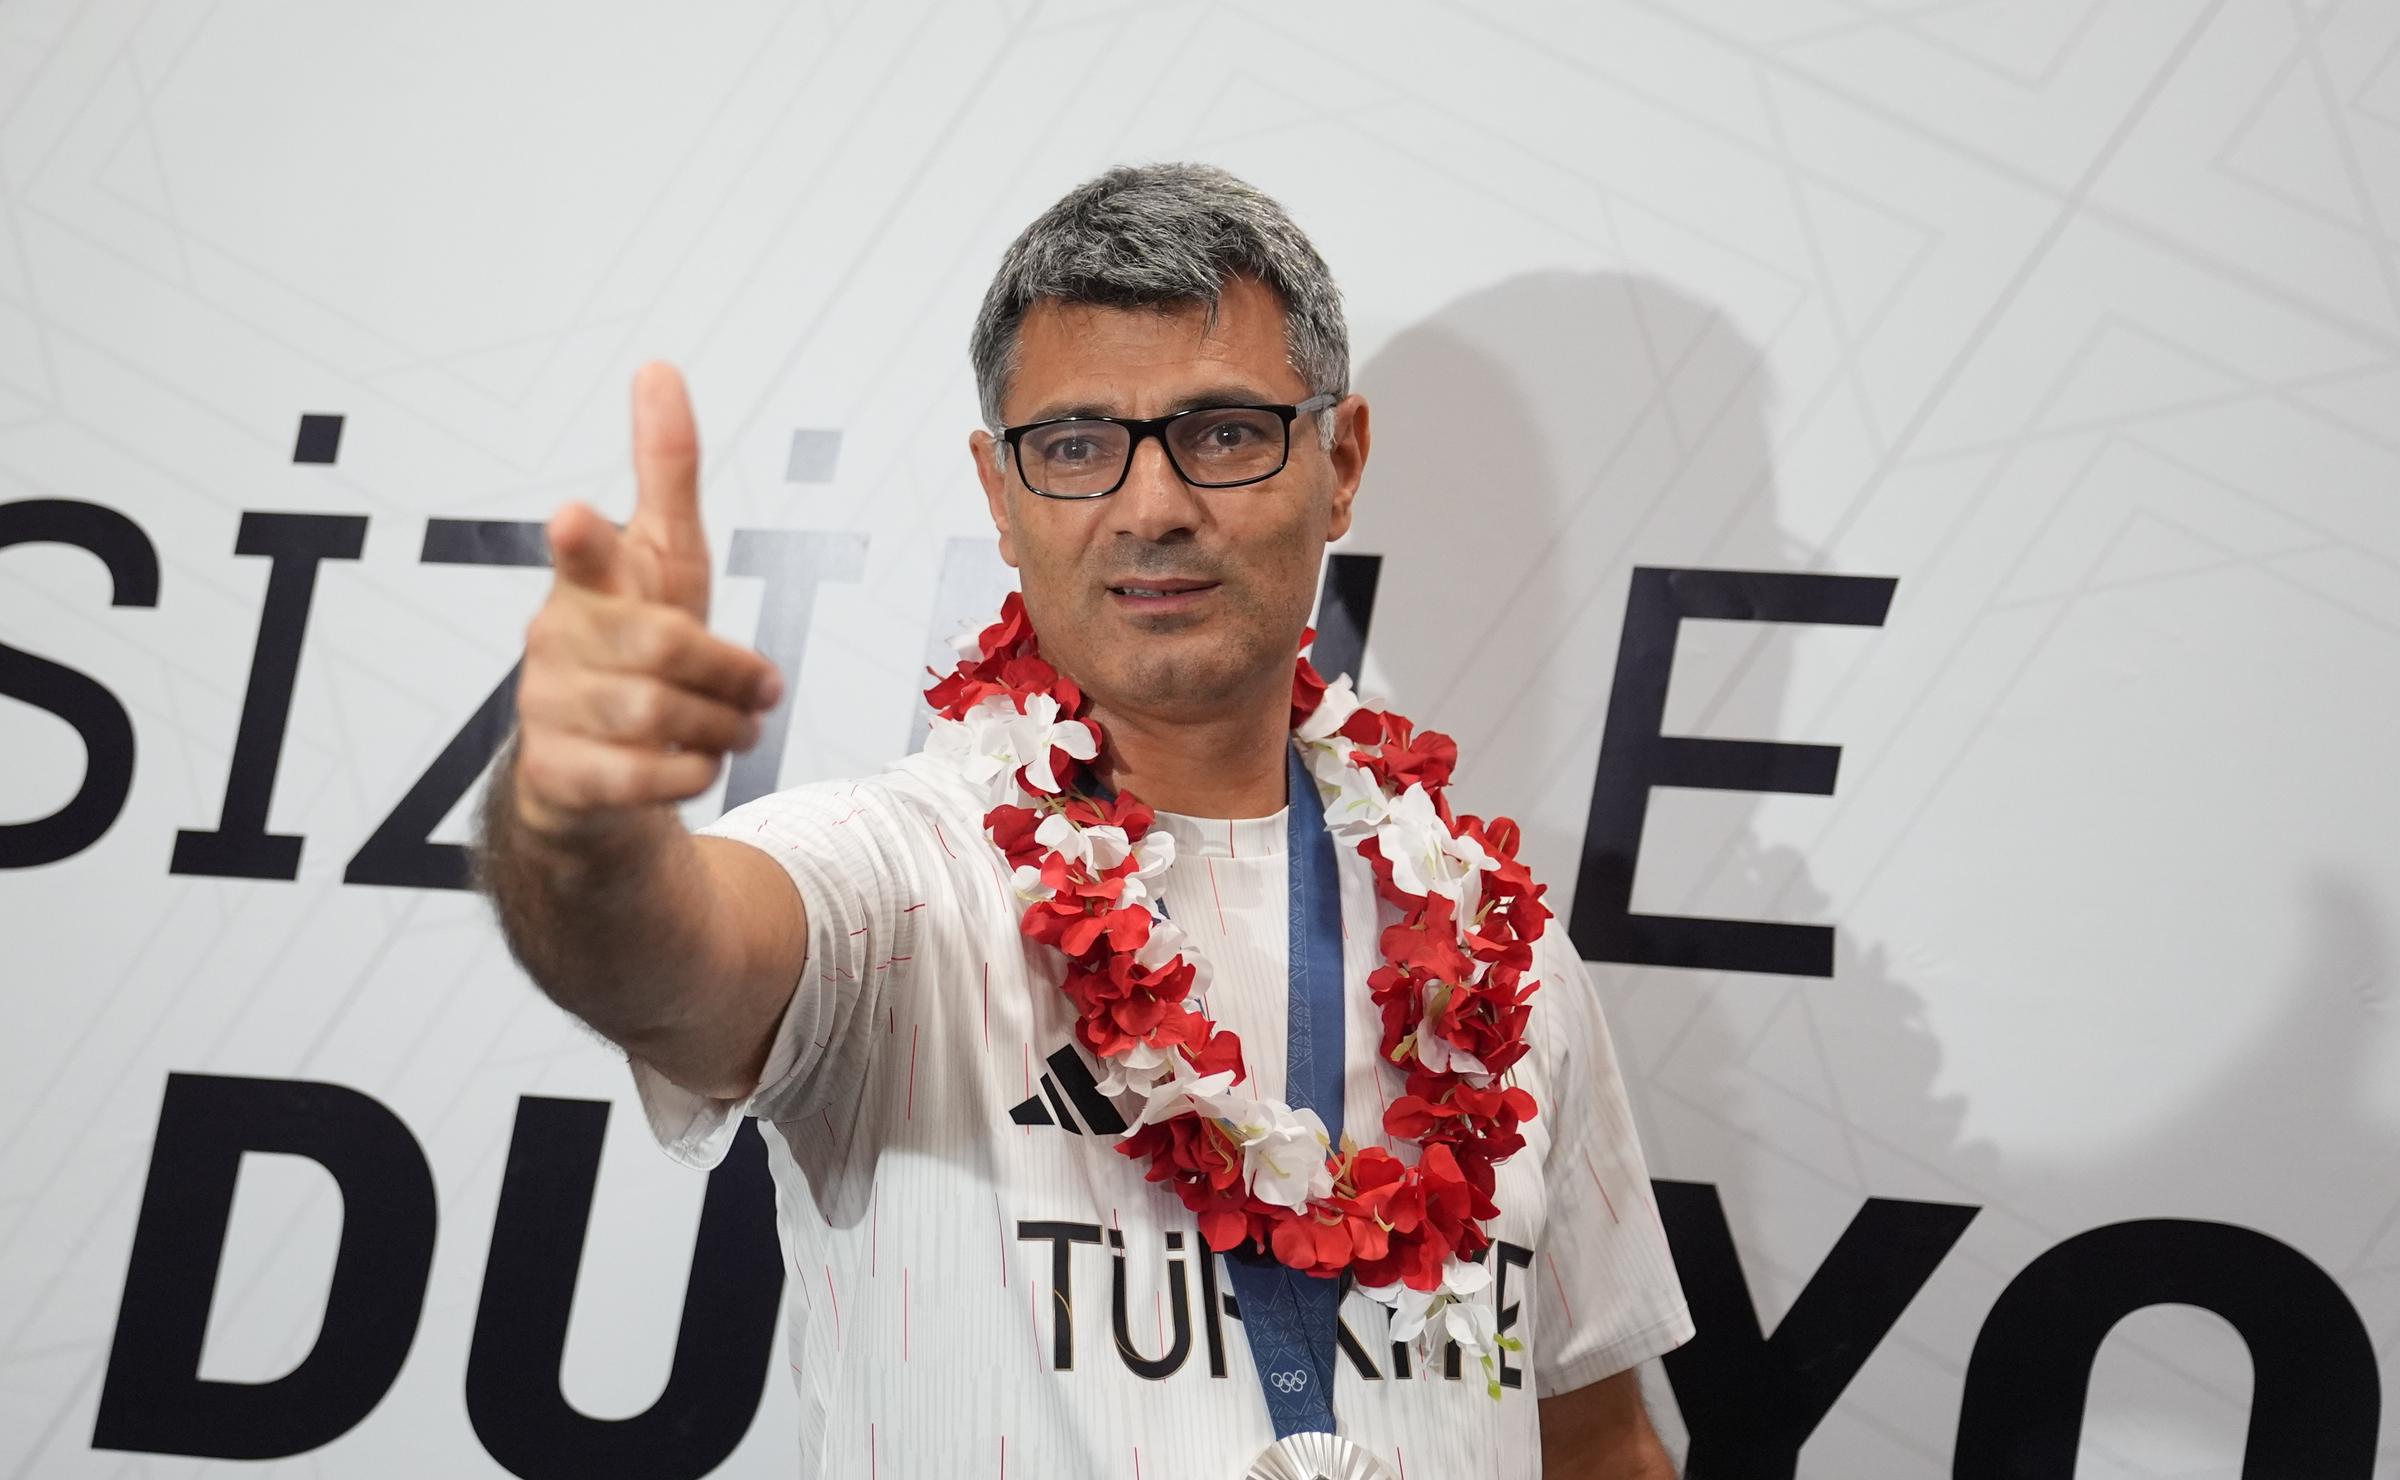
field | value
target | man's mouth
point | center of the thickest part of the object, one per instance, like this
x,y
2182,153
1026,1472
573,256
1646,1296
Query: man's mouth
x,y
1158,588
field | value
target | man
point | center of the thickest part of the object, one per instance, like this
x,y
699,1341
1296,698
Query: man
x,y
979,1280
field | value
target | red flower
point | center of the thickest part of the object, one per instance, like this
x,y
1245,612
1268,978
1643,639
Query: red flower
x,y
1127,929
1426,943
1121,810
1308,685
1224,1228
1214,1051
1364,726
1013,629
1516,915
1407,759
1011,830
1415,1118
1120,1003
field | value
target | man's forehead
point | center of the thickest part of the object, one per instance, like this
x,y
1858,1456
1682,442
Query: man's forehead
x,y
1073,356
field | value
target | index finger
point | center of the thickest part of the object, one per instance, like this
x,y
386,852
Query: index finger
x,y
666,458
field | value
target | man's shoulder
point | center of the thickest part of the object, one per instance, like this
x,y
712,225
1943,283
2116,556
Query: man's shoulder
x,y
929,785
1567,1013
1556,959
912,790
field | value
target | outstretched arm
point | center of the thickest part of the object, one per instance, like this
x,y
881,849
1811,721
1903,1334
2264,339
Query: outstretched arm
x,y
684,950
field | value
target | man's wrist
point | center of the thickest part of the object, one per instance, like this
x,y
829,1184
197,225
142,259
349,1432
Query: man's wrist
x,y
583,848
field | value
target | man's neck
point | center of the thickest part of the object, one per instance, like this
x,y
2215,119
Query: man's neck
x,y
1228,764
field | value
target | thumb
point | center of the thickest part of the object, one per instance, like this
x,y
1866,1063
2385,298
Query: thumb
x,y
583,550
666,462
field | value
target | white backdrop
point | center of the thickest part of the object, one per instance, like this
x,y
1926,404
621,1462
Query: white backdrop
x,y
2082,321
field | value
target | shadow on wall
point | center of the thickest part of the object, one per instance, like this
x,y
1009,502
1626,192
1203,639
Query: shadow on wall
x,y
1534,441
1552,432
1557,429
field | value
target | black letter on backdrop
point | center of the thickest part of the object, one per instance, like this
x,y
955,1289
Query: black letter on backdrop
x,y
153,1400
1634,757
1345,607
1751,1401
2315,1396
240,847
791,562
721,1347
400,850
75,697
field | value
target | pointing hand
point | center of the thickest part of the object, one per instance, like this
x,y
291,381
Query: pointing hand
x,y
627,701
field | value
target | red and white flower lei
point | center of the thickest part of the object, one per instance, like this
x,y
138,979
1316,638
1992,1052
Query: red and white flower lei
x,y
1453,988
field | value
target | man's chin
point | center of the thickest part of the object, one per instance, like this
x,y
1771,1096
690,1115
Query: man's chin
x,y
1169,679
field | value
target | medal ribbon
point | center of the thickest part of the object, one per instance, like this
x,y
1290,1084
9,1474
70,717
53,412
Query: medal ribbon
x,y
1290,1317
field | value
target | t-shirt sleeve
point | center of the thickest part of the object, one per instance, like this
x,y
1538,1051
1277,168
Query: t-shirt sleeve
x,y
1607,1295
863,855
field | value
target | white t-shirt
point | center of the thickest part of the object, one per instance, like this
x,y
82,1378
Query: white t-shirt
x,y
979,1283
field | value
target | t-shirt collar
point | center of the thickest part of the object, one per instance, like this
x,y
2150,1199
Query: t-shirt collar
x,y
1226,837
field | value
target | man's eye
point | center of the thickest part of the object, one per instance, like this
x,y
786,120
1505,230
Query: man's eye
x,y
1069,449
1231,435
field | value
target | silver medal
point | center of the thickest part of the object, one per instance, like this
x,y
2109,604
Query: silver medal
x,y
1317,1457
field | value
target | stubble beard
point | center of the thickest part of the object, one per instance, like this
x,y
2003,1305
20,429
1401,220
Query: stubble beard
x,y
1189,685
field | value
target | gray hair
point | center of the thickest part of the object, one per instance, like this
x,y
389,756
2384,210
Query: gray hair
x,y
1157,235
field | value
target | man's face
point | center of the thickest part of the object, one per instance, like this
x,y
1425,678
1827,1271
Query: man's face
x,y
1163,599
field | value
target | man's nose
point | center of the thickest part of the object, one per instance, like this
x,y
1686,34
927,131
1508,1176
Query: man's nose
x,y
1154,501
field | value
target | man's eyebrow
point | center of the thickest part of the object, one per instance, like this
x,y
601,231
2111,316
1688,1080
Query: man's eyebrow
x,y
1217,395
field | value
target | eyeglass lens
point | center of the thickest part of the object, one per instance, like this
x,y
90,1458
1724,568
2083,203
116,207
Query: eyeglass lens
x,y
1210,447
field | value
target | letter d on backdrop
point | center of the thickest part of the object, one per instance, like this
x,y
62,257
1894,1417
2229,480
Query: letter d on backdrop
x,y
154,1399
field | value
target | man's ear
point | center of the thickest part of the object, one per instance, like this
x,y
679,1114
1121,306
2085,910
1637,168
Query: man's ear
x,y
986,450
1351,436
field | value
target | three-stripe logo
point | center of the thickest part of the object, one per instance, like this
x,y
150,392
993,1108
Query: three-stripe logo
x,y
1069,1072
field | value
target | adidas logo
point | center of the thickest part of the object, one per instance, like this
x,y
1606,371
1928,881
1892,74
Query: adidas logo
x,y
1068,1070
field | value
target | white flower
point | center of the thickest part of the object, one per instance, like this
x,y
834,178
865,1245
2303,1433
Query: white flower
x,y
1152,855
1283,1152
946,739
1166,942
1097,848
1027,880
1427,858
1140,1069
967,642
1464,1277
1475,1327
1181,1092
1410,1307
993,740
1355,803
1411,839
1334,709
1413,1309
1470,1322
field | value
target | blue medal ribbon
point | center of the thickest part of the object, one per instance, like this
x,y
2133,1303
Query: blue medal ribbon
x,y
1289,1317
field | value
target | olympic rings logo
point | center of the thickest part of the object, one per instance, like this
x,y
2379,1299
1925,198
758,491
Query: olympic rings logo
x,y
1291,1381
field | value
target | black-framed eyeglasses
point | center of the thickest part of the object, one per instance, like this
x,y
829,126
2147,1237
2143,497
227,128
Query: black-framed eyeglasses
x,y
1072,457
